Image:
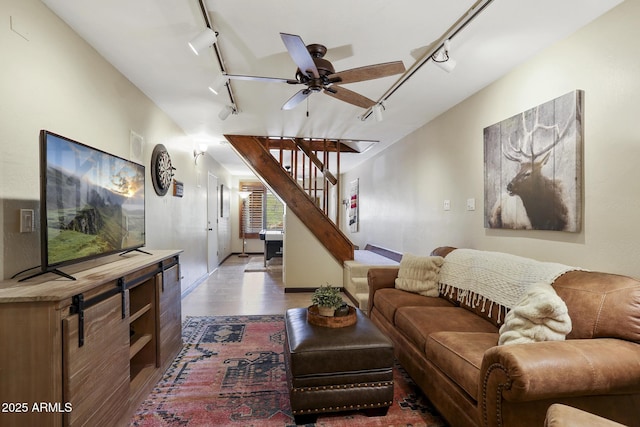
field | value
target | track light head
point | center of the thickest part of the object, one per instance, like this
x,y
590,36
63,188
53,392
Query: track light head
x,y
377,112
442,57
226,112
203,40
218,84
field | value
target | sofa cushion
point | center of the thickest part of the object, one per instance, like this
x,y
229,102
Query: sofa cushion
x,y
540,315
417,323
459,356
443,251
388,300
601,305
419,274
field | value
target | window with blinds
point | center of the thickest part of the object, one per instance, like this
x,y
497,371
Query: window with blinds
x,y
261,211
251,209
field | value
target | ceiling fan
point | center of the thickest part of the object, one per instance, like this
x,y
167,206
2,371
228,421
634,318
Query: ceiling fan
x,y
317,74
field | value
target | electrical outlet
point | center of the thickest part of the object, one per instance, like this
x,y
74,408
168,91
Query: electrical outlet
x,y
447,205
471,204
27,221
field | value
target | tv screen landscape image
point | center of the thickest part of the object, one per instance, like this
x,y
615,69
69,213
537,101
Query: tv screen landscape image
x,y
92,202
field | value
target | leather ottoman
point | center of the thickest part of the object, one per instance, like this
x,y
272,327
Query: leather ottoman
x,y
337,369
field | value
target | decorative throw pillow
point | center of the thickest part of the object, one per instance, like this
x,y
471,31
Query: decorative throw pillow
x,y
419,274
540,315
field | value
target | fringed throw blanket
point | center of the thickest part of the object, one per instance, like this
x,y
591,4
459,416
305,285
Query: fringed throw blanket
x,y
483,278
540,315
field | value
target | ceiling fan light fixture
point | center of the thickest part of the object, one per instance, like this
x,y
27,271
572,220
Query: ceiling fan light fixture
x,y
203,40
225,112
218,84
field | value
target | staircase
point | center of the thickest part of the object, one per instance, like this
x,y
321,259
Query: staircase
x,y
297,171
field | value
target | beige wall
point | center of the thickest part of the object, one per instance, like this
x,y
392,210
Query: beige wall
x,y
401,208
51,79
307,264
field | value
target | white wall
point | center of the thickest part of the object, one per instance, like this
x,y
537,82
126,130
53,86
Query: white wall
x,y
401,207
51,79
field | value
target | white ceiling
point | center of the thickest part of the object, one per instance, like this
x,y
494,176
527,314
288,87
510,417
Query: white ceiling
x,y
146,40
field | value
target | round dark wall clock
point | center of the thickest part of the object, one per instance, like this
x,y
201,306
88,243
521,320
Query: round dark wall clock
x,y
161,170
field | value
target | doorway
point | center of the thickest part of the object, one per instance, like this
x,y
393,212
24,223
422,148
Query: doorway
x,y
212,222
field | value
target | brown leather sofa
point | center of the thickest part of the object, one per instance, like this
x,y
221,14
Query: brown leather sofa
x,y
451,352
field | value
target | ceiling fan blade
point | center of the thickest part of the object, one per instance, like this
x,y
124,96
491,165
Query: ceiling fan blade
x,y
369,72
296,99
261,79
349,96
300,55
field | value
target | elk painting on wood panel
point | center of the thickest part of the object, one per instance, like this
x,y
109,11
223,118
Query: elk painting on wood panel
x,y
533,168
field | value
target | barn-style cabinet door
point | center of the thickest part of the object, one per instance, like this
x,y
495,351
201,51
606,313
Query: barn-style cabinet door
x,y
96,363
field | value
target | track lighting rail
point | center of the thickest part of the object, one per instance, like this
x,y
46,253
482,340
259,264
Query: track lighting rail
x,y
218,54
458,26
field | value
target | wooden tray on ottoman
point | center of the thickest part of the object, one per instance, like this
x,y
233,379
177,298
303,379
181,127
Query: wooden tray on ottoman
x,y
317,319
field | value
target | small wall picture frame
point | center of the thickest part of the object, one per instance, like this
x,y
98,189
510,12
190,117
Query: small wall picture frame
x,y
178,188
353,206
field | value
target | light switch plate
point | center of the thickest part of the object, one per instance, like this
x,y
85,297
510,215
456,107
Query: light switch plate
x,y
27,221
447,205
471,204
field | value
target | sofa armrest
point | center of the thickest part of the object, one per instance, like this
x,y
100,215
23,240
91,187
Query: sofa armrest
x,y
379,278
560,415
556,369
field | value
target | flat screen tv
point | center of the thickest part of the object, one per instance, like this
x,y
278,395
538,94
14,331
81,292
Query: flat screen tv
x,y
91,203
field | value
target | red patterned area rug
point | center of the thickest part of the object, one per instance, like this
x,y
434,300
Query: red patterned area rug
x,y
231,372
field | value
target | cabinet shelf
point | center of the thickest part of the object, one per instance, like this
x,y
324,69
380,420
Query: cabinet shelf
x,y
139,374
140,312
138,343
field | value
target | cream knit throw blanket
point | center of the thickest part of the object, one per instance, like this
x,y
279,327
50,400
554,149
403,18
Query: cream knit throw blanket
x,y
540,315
497,277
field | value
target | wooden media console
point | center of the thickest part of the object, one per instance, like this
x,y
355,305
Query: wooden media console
x,y
88,351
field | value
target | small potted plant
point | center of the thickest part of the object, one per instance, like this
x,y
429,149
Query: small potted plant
x,y
328,299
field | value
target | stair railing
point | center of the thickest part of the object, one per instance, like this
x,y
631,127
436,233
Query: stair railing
x,y
308,163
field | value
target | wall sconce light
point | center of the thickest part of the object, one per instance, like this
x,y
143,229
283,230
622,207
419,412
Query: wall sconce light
x,y
203,40
226,112
442,58
377,111
202,149
218,84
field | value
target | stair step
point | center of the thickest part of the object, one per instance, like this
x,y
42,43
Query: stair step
x,y
363,301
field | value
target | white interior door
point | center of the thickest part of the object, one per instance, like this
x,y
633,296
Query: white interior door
x,y
212,223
